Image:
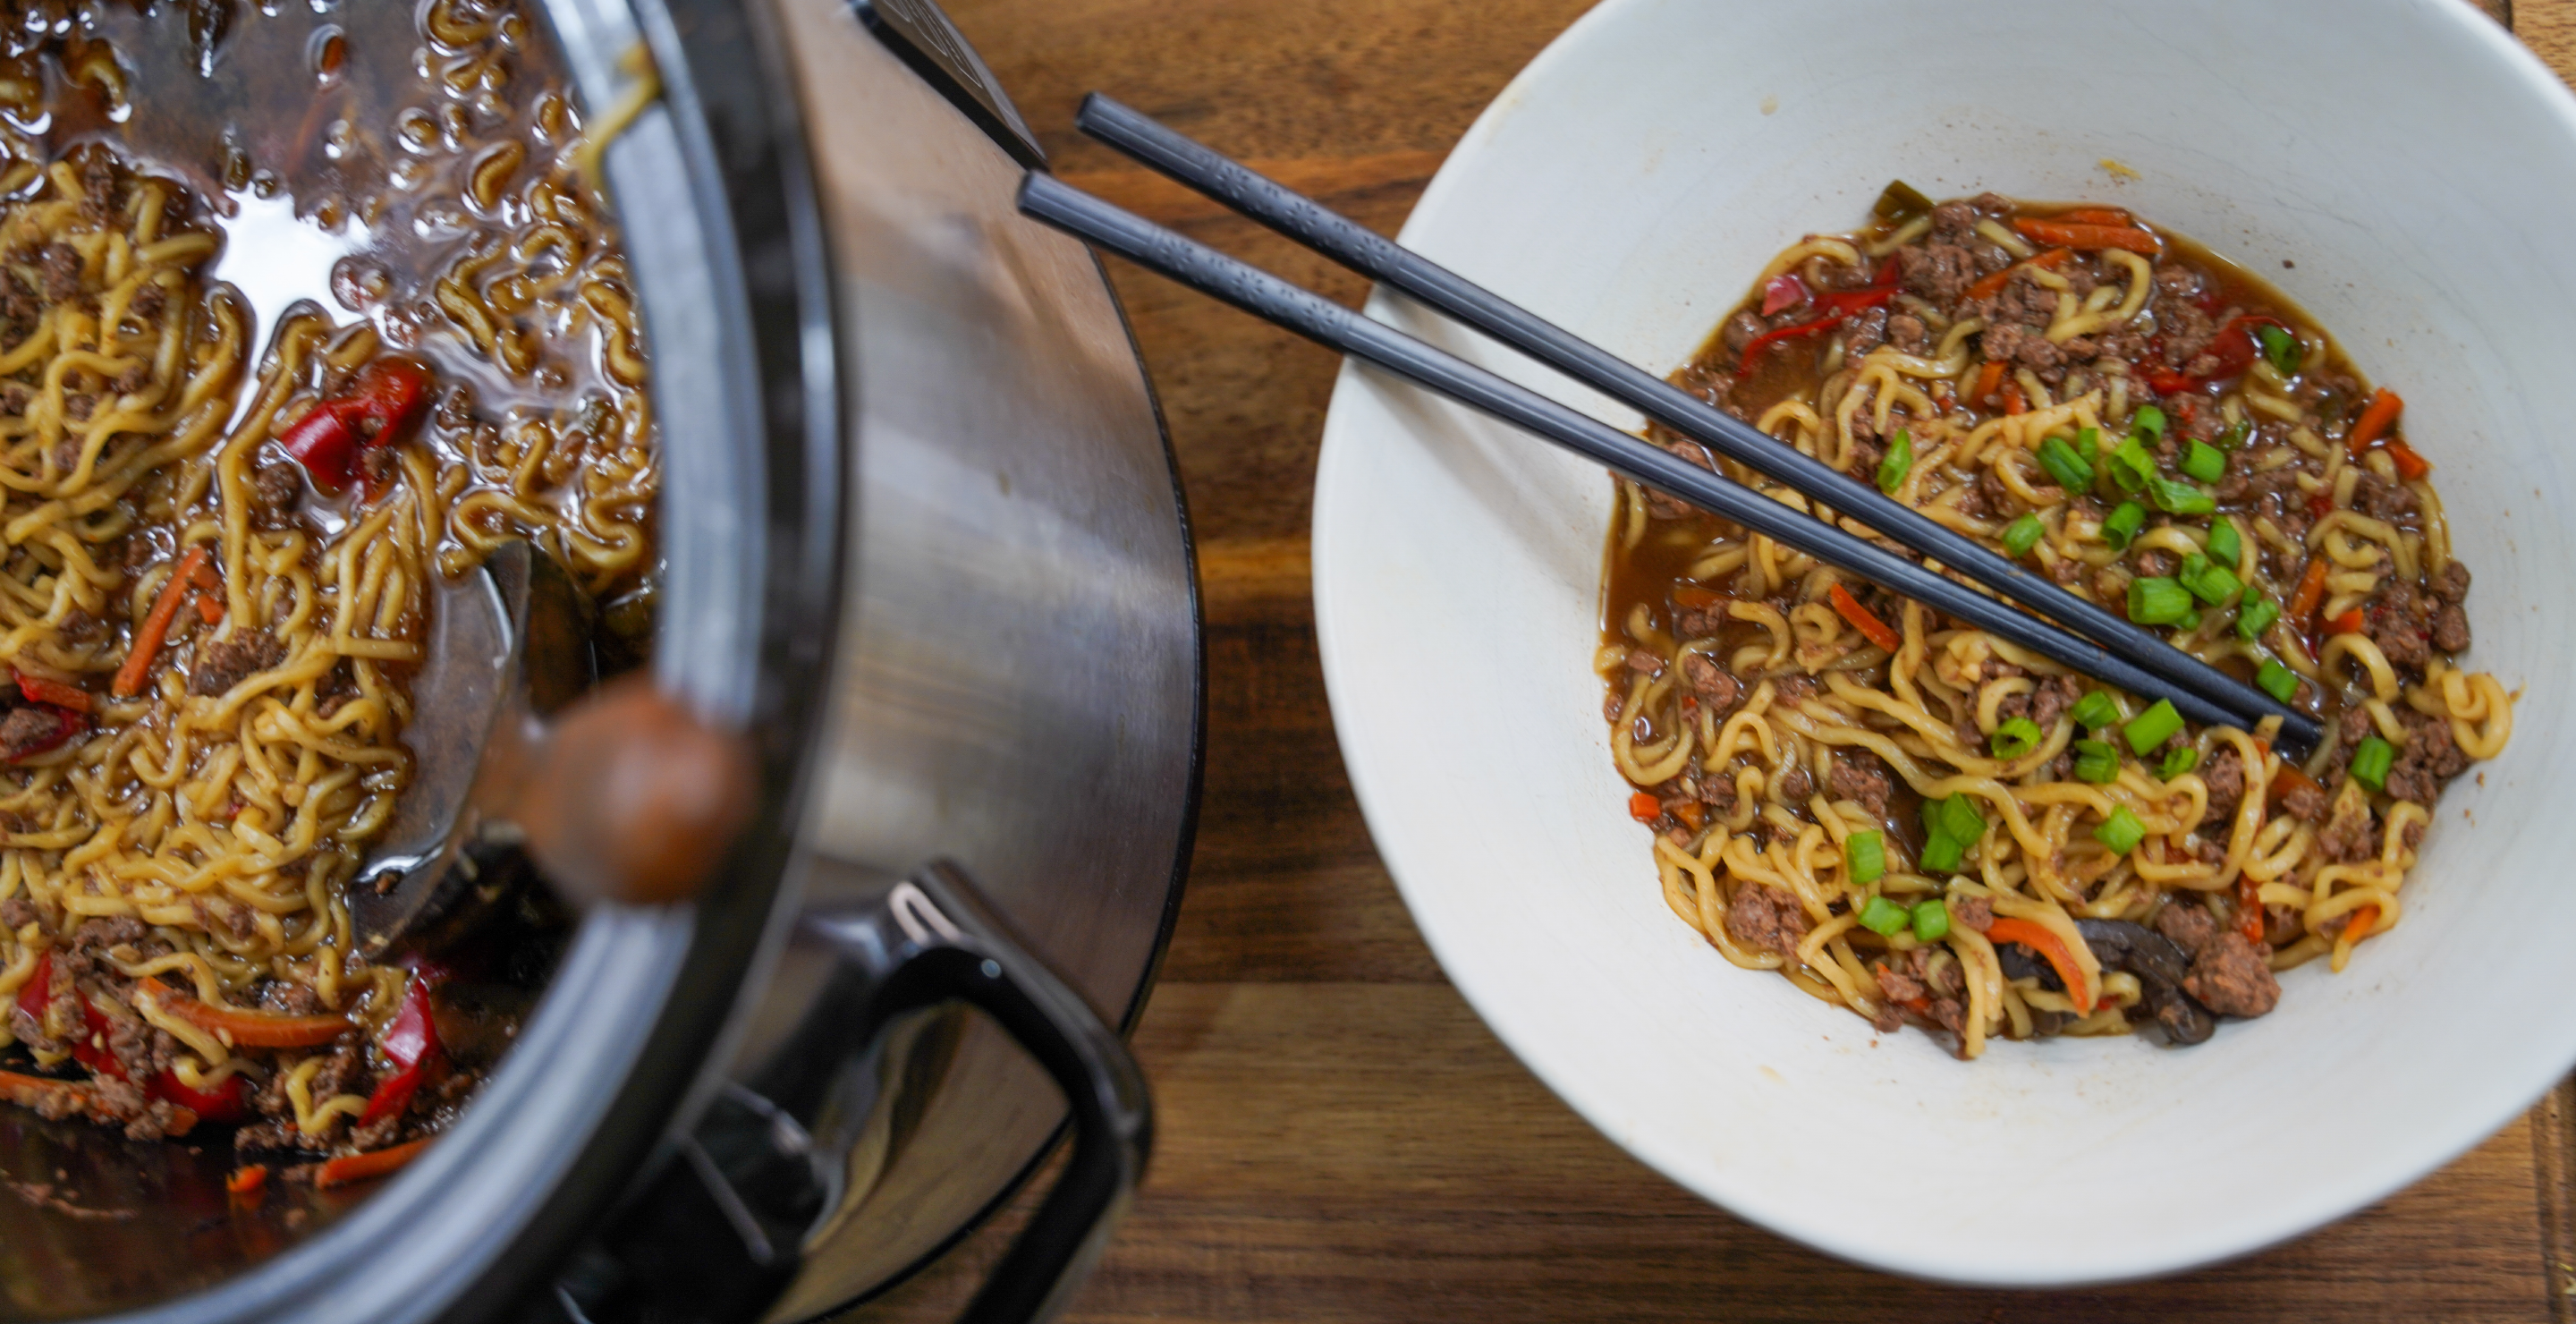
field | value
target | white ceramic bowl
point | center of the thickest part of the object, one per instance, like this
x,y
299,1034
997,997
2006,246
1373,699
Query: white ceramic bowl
x,y
2417,165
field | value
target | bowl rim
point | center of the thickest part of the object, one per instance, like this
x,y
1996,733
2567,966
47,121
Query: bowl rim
x,y
2316,1205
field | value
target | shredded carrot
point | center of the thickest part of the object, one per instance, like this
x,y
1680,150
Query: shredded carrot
x,y
247,1180
2094,216
374,1163
2249,909
2290,779
2312,590
43,689
66,1097
1644,807
2410,466
2014,403
156,626
2363,920
210,609
1697,598
2376,417
203,576
2039,938
1690,813
2060,234
1992,284
247,1029
1875,629
1989,379
2347,623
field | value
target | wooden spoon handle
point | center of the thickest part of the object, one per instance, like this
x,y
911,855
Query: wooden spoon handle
x,y
632,798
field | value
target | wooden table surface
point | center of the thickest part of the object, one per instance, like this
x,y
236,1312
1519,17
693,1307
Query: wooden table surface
x,y
1340,1138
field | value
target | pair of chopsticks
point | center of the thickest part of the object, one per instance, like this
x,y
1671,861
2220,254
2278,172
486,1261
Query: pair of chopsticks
x,y
2093,641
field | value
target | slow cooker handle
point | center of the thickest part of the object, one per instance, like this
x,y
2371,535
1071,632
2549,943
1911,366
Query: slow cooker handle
x,y
718,1234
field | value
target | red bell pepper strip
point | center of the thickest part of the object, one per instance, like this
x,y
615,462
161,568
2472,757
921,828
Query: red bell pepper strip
x,y
1990,379
1754,350
2410,466
1642,807
2089,237
247,1180
38,990
2044,941
411,1044
38,689
1784,291
2376,418
2311,591
374,1163
385,397
246,1029
324,443
1870,626
2249,909
227,1102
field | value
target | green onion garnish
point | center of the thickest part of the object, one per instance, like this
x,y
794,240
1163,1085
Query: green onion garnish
x,y
2179,762
1883,917
2370,761
2257,616
2205,462
2123,525
1960,818
2236,436
1932,920
2121,831
2014,737
2280,349
1865,857
2064,465
2226,545
2096,762
2152,727
1940,854
2131,465
2158,601
2214,584
2278,681
2097,709
2148,419
2176,497
2023,534
1899,462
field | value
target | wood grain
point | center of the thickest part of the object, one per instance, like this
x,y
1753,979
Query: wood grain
x,y
1340,1139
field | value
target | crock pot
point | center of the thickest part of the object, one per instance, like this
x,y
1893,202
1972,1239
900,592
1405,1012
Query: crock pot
x,y
924,541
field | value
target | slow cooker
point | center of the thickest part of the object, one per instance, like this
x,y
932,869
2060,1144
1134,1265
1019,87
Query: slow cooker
x,y
923,540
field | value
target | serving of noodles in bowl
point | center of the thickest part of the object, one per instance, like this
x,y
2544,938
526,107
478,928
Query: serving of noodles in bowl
x,y
1811,897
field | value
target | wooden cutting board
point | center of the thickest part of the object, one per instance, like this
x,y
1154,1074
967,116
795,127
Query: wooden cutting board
x,y
1340,1139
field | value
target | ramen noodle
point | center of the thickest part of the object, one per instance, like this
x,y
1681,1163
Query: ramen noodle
x,y
1928,825
220,547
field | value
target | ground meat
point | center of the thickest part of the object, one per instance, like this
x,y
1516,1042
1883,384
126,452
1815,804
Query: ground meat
x,y
1766,917
2451,628
17,913
59,266
1868,331
2400,621
2348,837
1953,222
2002,344
229,661
1796,783
1712,683
2304,802
274,487
2188,924
1898,985
345,1073
1741,330
1908,333
2229,976
1940,272
108,931
148,302
2384,499
1861,777
2225,778
2452,585
291,999
2429,761
2155,564
2187,332
1972,912
29,730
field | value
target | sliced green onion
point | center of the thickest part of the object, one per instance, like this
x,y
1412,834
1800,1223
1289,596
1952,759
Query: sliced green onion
x,y
2152,728
2278,681
2132,466
2205,462
2064,465
2370,762
1865,857
2023,534
2157,601
2014,737
2097,709
1940,854
2096,762
2121,831
2190,622
2148,419
2226,545
2257,616
1883,917
1900,202
2179,762
2280,349
2235,437
1899,462
2123,525
2214,584
2174,496
1932,919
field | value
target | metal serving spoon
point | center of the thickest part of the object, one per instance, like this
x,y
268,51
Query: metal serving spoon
x,y
622,794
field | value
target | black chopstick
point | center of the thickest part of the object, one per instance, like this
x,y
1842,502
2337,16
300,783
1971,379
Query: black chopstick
x,y
1059,204
1318,227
